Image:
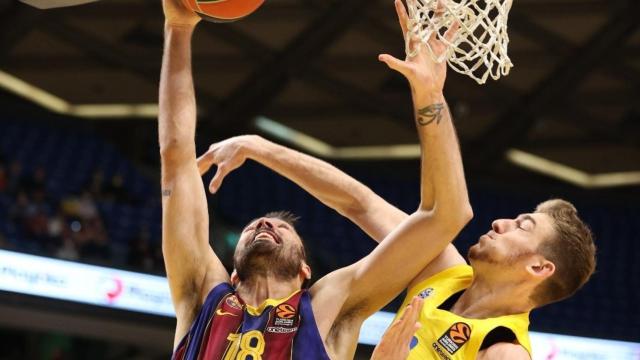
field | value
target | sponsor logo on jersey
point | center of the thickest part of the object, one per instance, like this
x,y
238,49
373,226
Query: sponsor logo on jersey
x,y
224,313
281,330
283,322
233,302
285,315
426,293
285,311
440,352
457,335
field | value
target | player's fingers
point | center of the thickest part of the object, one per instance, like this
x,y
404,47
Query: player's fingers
x,y
416,304
215,183
395,64
452,31
204,162
412,314
403,18
417,326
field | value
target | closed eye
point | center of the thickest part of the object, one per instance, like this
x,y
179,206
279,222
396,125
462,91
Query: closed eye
x,y
525,224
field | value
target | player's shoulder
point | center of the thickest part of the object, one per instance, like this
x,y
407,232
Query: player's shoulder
x,y
504,350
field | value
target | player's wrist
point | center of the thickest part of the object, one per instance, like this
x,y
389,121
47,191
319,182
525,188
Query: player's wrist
x,y
181,25
248,145
428,96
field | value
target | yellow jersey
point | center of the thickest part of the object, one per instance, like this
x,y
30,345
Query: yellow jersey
x,y
447,336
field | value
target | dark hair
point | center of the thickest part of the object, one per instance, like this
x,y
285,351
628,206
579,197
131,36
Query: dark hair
x,y
571,249
286,216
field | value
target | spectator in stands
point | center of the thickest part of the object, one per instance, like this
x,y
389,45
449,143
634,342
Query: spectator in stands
x,y
68,250
86,207
56,228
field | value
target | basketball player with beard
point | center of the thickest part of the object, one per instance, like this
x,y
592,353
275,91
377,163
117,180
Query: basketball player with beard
x,y
260,311
478,311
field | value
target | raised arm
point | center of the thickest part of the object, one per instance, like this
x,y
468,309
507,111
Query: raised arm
x,y
322,180
379,277
192,267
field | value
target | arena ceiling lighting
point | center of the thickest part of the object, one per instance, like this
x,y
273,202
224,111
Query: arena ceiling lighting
x,y
310,144
321,148
574,176
58,105
411,151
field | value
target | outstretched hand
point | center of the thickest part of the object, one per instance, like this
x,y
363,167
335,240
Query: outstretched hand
x,y
227,155
422,72
177,14
394,344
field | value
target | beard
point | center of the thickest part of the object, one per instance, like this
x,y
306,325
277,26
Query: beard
x,y
265,258
478,254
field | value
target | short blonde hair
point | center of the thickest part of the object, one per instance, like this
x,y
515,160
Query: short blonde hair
x,y
571,250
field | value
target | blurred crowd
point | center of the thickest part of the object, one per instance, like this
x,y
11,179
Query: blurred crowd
x,y
69,226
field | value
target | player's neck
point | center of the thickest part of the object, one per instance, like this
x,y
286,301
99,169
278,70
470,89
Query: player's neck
x,y
487,298
256,290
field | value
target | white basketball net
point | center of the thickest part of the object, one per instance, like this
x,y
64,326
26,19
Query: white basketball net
x,y
478,49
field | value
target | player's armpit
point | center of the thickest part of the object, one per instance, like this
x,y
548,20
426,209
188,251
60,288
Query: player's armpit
x,y
504,351
383,274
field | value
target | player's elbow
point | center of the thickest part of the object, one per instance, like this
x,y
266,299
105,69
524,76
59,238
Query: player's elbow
x,y
461,215
450,219
457,213
173,149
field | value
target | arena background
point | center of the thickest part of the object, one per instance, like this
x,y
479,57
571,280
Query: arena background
x,y
79,162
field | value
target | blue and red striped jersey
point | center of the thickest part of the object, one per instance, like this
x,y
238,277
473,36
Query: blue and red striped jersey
x,y
228,329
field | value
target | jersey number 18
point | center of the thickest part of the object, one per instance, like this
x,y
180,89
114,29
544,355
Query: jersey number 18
x,y
245,346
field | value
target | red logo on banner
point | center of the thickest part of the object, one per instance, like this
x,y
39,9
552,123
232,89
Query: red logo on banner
x,y
114,294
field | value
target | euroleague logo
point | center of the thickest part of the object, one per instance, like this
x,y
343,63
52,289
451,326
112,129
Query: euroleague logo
x,y
460,333
113,288
457,335
285,315
285,311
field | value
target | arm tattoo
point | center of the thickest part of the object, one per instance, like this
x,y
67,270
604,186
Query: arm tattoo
x,y
166,192
429,114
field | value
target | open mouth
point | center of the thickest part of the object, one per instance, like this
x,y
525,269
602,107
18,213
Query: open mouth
x,y
266,235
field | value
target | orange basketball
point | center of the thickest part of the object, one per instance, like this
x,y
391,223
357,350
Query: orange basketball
x,y
223,10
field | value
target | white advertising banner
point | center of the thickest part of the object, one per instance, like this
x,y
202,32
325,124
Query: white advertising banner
x,y
65,280
562,347
126,290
